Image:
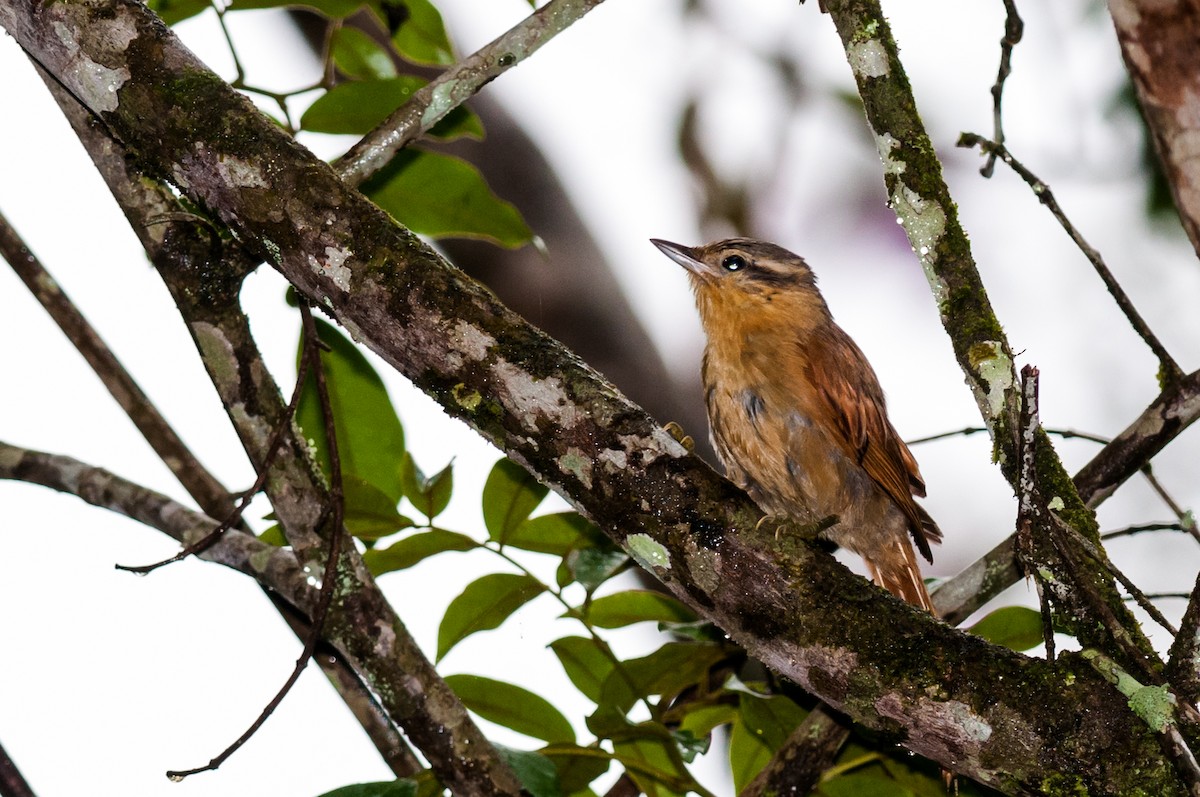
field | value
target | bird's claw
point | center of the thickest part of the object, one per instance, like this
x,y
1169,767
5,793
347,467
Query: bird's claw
x,y
676,431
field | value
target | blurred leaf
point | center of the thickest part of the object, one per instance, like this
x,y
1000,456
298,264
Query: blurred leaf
x,y
857,784
175,11
577,766
771,719
273,535
357,55
370,514
429,495
418,32
690,745
410,550
510,494
635,606
584,662
333,9
369,435
747,754
357,107
557,533
1015,627
513,707
657,769
388,788
591,567
444,197
538,775
672,668
484,604
700,720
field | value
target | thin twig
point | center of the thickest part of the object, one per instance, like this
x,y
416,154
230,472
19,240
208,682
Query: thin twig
x,y
456,85
1170,372
273,447
1129,531
1065,434
1014,28
328,586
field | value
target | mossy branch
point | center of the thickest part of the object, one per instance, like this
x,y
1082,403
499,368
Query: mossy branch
x,y
994,715
918,194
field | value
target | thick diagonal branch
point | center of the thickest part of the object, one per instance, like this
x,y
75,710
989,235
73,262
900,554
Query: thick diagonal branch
x,y
999,717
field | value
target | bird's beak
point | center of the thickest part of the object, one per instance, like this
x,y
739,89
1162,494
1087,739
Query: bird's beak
x,y
683,255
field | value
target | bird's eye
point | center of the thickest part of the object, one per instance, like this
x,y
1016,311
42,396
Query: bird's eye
x,y
733,263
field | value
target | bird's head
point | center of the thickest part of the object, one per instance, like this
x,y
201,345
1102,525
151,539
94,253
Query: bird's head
x,y
740,276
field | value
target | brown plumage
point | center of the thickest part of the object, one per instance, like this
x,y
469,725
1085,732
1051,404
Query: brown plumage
x,y
796,412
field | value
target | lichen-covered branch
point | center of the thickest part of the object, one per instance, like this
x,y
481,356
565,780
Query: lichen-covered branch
x,y
994,715
921,200
204,280
1158,43
456,85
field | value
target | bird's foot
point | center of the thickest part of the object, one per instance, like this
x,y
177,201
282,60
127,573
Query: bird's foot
x,y
676,431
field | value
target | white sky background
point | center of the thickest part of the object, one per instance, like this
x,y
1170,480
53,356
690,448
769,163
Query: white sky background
x,y
108,680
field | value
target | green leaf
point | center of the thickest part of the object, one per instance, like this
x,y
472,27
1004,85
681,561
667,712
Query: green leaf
x,y
858,784
388,788
429,495
484,604
370,514
690,745
635,606
273,535
538,775
510,494
656,766
176,11
369,435
700,720
445,197
577,766
672,668
1016,627
770,719
415,548
360,106
584,662
357,55
418,32
747,755
513,707
557,533
591,567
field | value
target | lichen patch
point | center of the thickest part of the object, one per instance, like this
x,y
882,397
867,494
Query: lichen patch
x,y
531,398
869,58
333,266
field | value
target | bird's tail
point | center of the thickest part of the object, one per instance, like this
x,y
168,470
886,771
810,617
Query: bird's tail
x,y
897,571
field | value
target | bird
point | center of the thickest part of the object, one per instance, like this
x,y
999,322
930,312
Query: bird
x,y
796,413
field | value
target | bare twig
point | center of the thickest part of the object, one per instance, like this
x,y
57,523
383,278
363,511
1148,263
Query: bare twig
x,y
1129,531
1014,28
803,757
433,101
273,446
1170,372
329,578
